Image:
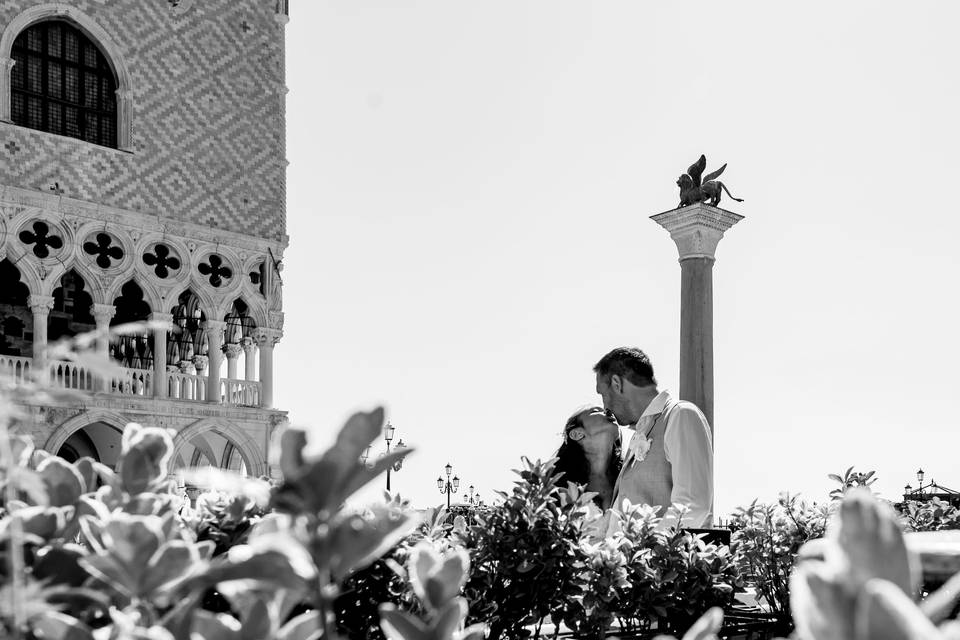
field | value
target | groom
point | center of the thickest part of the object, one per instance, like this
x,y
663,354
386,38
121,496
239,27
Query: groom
x,y
670,456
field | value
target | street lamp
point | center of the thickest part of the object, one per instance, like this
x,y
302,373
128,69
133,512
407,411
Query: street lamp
x,y
388,433
920,477
448,486
474,498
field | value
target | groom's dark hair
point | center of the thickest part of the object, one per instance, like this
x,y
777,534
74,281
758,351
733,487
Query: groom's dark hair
x,y
627,362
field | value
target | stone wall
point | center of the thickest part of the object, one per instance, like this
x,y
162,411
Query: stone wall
x,y
206,113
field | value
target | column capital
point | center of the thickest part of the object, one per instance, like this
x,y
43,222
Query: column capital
x,y
200,362
697,228
233,350
214,325
248,343
264,337
102,312
40,304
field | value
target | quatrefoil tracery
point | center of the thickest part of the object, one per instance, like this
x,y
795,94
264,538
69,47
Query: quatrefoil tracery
x,y
41,238
105,250
162,260
216,269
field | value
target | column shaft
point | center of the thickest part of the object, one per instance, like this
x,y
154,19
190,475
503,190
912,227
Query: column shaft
x,y
696,333
266,372
214,331
40,306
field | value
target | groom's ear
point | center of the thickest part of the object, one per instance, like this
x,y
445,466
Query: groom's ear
x,y
616,383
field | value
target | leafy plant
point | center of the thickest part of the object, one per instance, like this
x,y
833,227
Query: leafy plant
x,y
437,580
765,543
105,551
850,480
526,556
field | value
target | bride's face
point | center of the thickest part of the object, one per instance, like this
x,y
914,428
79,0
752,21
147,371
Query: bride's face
x,y
599,431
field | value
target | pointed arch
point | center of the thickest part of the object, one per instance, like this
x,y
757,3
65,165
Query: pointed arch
x,y
62,433
247,447
111,50
150,292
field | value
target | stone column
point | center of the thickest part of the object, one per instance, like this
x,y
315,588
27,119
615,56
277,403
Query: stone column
x,y
214,329
103,314
160,386
697,230
232,352
40,306
266,340
175,390
249,364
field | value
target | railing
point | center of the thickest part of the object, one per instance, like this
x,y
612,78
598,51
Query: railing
x,y
70,375
136,382
187,386
240,392
16,367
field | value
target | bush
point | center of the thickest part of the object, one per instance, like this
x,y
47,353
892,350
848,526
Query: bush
x,y
121,560
526,555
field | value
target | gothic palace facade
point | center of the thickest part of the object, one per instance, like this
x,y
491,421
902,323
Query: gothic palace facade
x,y
142,177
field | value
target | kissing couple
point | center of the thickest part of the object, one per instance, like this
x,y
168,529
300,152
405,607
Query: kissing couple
x,y
668,458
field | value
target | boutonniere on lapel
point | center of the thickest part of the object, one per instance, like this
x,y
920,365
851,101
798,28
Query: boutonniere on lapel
x,y
639,446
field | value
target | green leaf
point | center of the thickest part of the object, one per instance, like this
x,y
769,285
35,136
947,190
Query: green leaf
x,y
63,482
59,626
399,625
449,619
173,563
29,482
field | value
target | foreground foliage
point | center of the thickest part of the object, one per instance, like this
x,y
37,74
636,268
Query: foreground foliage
x,y
92,553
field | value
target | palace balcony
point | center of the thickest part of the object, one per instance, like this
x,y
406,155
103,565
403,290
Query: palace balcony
x,y
174,384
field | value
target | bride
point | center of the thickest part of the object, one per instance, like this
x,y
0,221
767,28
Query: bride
x,y
591,453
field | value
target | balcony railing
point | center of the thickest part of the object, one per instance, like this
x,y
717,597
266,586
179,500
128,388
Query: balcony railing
x,y
187,386
70,375
16,368
240,392
133,382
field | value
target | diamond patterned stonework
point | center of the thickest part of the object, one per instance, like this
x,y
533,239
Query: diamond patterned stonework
x,y
207,118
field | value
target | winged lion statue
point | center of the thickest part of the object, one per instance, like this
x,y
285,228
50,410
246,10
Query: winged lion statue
x,y
693,189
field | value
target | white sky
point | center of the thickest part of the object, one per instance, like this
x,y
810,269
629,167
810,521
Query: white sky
x,y
468,202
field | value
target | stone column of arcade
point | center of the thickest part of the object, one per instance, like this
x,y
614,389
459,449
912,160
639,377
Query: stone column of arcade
x,y
160,386
40,306
232,352
697,229
266,340
214,329
249,370
103,314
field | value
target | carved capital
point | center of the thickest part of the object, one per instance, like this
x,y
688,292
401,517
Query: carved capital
x,y
200,362
697,229
40,304
233,351
214,325
267,337
102,313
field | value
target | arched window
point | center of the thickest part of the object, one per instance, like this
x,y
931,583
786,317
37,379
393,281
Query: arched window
x,y
62,83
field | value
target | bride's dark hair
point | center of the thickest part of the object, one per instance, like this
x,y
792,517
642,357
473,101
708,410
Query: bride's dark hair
x,y
572,460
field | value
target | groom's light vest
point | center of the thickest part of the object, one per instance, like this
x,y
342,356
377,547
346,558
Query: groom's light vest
x,y
648,481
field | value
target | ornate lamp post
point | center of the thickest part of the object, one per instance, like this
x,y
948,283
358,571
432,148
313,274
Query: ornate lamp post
x,y
448,486
388,433
474,498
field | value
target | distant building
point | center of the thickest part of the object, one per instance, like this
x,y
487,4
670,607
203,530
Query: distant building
x,y
142,176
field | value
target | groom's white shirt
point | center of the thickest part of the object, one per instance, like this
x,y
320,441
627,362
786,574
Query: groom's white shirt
x,y
688,448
